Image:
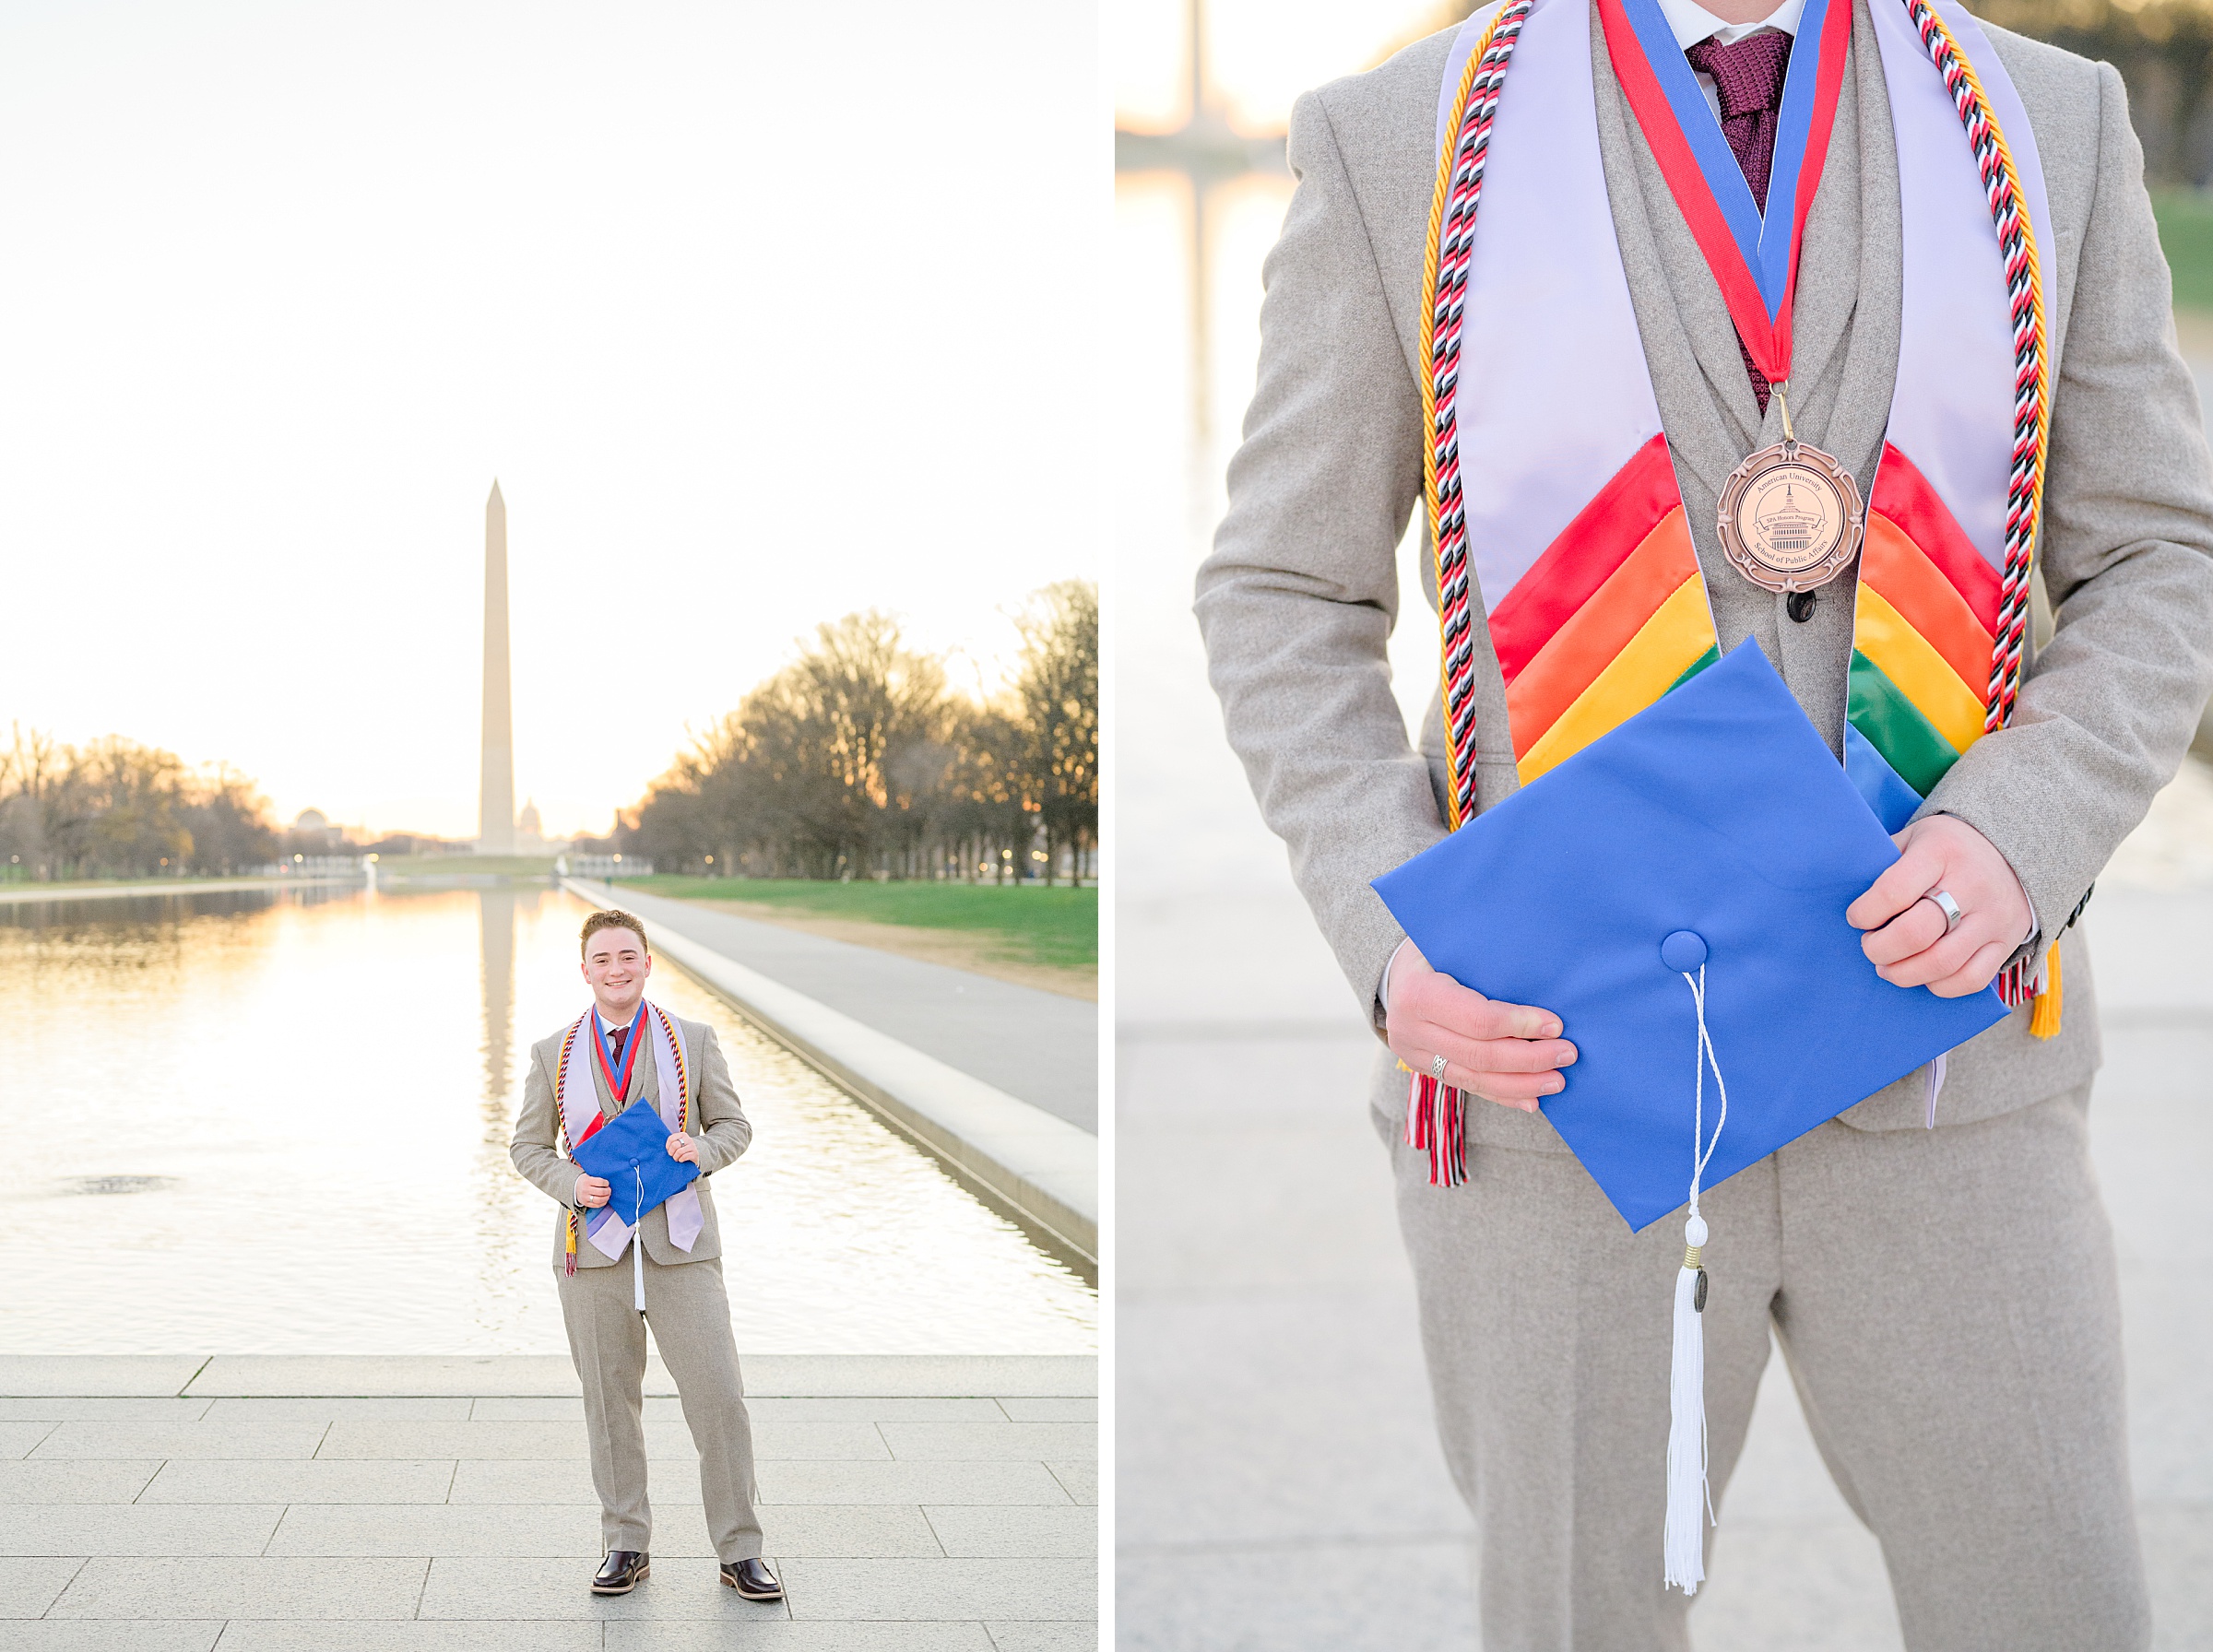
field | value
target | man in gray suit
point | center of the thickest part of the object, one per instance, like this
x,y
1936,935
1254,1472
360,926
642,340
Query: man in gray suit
x,y
1946,1297
673,1285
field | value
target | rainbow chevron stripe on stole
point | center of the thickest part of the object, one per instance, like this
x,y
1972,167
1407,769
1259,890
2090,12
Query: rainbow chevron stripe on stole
x,y
1925,624
1608,620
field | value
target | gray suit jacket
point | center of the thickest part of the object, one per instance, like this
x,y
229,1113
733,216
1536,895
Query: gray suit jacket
x,y
718,1124
1300,594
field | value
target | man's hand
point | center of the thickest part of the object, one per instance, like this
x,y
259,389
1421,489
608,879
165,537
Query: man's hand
x,y
1907,942
591,1192
682,1149
1505,1052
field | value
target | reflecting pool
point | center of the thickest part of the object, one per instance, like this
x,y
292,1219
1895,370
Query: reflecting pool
x,y
277,1122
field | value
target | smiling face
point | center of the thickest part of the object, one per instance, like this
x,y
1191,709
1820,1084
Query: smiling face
x,y
616,964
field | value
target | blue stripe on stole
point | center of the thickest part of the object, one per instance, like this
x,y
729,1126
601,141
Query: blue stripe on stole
x,y
1884,788
1764,245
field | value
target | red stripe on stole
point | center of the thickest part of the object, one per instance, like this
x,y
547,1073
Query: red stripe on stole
x,y
1594,635
1904,495
1601,538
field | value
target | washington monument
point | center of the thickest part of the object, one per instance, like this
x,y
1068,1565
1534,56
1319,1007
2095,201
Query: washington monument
x,y
495,792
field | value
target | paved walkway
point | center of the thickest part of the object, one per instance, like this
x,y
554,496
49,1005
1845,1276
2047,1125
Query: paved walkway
x,y
1278,1482
946,1507
1037,1046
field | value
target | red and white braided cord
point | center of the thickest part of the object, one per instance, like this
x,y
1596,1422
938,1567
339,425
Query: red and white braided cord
x,y
2025,480
2024,486
1455,242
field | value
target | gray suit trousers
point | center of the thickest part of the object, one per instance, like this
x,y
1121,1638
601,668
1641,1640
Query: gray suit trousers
x,y
690,1313
1975,1429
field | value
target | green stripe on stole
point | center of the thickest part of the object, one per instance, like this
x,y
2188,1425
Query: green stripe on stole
x,y
1894,726
1696,665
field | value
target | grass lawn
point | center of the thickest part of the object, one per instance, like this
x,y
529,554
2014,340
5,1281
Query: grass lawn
x,y
2187,234
1050,925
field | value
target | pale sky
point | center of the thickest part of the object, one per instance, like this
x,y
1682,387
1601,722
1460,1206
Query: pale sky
x,y
758,312
1261,53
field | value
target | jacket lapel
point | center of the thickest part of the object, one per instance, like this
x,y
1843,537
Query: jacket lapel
x,y
1856,331
1691,345
1840,390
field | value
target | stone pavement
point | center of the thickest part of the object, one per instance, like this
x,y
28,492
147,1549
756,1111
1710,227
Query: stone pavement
x,y
951,1509
1037,1046
1278,1482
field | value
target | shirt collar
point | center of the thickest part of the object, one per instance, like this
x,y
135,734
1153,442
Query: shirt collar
x,y
1692,22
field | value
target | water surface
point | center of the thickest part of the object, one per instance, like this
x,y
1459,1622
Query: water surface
x,y
277,1122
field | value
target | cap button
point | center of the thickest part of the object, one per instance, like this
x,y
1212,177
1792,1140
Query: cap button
x,y
1682,951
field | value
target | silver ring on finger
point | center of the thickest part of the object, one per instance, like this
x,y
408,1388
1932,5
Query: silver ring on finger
x,y
1943,902
1436,1069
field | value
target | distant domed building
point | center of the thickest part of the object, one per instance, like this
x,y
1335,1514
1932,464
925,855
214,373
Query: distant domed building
x,y
529,831
312,834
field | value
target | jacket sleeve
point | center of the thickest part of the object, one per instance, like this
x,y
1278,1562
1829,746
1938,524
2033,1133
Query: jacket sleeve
x,y
2110,703
1297,600
535,1149
724,1132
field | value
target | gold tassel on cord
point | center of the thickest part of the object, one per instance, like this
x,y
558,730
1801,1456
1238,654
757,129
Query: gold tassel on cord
x,y
2043,1018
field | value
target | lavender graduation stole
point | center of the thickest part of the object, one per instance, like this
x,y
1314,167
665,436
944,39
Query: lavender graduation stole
x,y
580,1116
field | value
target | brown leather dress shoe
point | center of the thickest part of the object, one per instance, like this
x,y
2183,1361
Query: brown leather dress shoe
x,y
752,1579
621,1571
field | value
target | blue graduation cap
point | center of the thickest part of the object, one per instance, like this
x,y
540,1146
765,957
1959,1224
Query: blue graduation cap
x,y
1714,833
630,1152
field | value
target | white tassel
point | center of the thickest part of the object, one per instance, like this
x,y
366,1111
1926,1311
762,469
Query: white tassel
x,y
1687,1504
637,1247
1689,1501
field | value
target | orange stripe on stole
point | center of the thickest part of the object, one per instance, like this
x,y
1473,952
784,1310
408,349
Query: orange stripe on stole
x,y
1588,641
1665,647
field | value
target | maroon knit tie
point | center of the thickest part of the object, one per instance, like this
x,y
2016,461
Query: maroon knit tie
x,y
1749,76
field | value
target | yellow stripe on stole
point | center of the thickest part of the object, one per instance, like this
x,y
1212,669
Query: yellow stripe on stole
x,y
1664,648
1888,640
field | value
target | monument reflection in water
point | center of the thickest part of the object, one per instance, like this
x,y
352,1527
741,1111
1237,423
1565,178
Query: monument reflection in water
x,y
279,1124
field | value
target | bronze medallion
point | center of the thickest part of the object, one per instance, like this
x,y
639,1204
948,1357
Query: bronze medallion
x,y
1791,517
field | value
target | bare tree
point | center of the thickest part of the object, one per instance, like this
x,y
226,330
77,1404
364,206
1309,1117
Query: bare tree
x,y
1059,689
856,759
118,808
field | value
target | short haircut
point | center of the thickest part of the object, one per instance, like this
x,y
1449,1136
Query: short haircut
x,y
614,918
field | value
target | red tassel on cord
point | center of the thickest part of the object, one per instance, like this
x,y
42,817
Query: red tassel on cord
x,y
1434,1116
